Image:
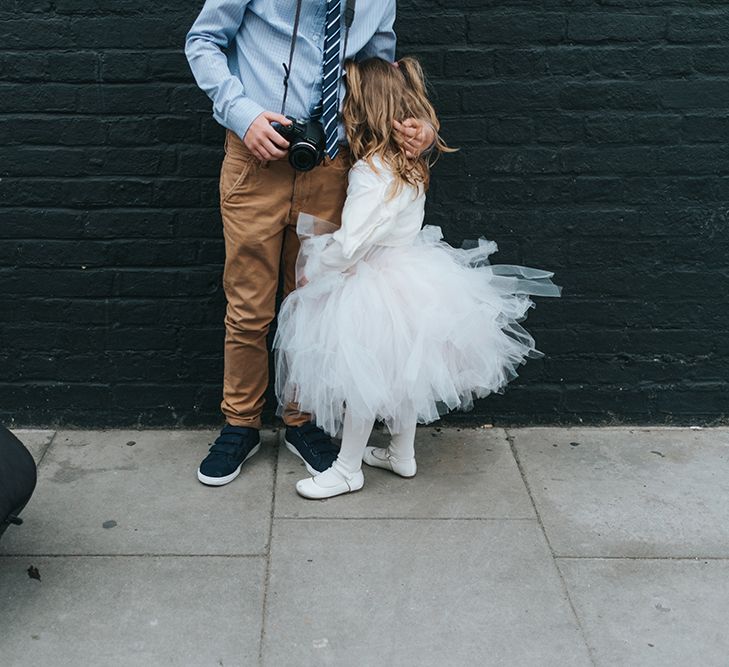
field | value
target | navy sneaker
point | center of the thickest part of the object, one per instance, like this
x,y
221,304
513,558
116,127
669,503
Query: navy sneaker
x,y
314,447
232,448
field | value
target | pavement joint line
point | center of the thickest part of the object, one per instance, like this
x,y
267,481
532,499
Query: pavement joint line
x,y
46,449
679,558
403,518
140,555
512,446
267,573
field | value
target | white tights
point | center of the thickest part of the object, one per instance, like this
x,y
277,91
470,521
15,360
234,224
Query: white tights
x,y
356,433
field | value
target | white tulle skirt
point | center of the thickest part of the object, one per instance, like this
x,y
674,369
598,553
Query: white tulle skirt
x,y
410,333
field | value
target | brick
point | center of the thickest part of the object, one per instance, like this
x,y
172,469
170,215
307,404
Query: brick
x,y
692,94
461,63
710,59
699,26
609,95
705,128
92,193
445,29
641,62
57,130
517,62
51,97
29,223
33,33
516,27
46,161
562,128
105,7
602,27
510,131
138,32
509,97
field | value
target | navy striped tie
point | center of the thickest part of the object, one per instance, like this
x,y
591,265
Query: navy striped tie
x,y
330,84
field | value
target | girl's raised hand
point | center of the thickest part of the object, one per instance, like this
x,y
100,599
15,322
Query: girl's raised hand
x,y
414,135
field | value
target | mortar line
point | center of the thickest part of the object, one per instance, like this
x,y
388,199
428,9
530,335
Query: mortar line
x,y
514,453
267,574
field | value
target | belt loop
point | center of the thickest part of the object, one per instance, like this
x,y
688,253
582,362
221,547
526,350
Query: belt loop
x,y
225,145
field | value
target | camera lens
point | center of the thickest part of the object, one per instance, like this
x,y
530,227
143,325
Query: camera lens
x,y
303,156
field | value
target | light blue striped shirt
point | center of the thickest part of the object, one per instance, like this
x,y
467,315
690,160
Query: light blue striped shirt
x,y
236,49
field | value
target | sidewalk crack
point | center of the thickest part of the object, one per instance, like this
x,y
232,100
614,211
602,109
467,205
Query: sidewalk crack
x,y
512,445
267,574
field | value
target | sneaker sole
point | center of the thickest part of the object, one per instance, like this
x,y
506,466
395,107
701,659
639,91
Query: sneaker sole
x,y
296,453
222,481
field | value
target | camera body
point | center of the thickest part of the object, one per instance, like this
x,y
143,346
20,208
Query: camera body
x,y
307,142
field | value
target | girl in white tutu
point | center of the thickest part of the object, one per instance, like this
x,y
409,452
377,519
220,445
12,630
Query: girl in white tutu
x,y
389,322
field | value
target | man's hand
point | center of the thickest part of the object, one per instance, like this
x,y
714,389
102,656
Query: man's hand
x,y
415,135
263,141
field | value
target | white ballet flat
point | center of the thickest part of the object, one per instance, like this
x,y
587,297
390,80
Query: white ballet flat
x,y
332,482
381,458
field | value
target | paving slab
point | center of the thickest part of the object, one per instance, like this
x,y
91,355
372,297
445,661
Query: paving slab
x,y
120,611
652,612
416,592
462,473
135,492
629,491
35,440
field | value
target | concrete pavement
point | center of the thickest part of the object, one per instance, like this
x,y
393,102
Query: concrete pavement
x,y
530,546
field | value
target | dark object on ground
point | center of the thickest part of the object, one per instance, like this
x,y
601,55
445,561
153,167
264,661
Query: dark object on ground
x,y
17,478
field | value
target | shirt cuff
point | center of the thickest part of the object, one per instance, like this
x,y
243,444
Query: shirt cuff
x,y
241,114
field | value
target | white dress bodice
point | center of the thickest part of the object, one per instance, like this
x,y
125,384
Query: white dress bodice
x,y
370,218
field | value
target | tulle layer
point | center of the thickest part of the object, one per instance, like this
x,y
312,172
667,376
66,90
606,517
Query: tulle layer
x,y
409,333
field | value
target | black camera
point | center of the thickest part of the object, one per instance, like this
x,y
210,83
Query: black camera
x,y
306,142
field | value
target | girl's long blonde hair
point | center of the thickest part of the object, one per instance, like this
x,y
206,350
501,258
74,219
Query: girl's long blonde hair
x,y
377,94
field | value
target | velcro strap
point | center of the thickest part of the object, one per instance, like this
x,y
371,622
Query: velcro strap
x,y
226,447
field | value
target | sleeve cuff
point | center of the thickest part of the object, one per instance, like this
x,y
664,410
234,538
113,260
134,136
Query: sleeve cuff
x,y
240,115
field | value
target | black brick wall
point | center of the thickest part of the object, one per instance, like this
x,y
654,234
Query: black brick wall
x,y
593,144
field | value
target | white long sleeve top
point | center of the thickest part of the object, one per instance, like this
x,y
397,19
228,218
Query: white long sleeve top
x,y
369,219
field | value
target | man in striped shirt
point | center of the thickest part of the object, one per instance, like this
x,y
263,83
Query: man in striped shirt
x,y
236,49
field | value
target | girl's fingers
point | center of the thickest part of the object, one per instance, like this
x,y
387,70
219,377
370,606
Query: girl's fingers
x,y
413,123
409,135
404,129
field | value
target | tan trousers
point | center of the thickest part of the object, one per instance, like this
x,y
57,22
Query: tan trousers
x,y
260,204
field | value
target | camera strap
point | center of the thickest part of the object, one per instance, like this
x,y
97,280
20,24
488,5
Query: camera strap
x,y
287,68
348,19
